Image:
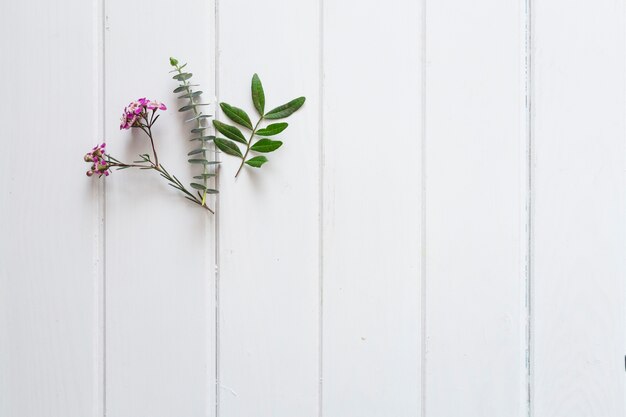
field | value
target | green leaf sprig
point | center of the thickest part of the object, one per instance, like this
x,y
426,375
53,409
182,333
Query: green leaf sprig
x,y
256,141
198,155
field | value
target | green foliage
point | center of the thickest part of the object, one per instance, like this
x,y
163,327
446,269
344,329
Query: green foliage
x,y
236,115
200,154
286,110
258,95
266,145
257,161
256,142
273,129
231,132
228,146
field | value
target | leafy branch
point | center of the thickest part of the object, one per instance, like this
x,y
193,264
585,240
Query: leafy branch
x,y
256,141
199,155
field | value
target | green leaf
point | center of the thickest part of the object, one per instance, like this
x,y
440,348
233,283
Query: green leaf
x,y
285,110
236,115
197,151
203,176
257,161
198,186
198,130
229,147
190,95
186,108
273,129
198,117
203,138
184,87
199,161
182,77
266,145
231,132
258,95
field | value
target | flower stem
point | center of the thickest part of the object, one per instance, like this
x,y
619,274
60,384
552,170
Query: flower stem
x,y
173,181
149,133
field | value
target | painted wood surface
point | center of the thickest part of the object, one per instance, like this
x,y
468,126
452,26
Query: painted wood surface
x,y
50,222
579,195
159,247
441,234
475,159
269,218
372,200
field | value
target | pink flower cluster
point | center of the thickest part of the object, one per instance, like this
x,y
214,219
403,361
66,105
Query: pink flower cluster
x,y
136,109
97,157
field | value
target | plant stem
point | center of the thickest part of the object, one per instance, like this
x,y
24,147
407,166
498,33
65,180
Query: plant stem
x,y
205,168
174,182
149,133
179,186
123,165
243,160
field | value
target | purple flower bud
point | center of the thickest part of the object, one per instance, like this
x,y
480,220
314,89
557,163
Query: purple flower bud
x,y
98,157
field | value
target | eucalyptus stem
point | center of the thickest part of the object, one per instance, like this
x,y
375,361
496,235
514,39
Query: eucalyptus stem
x,y
245,155
199,125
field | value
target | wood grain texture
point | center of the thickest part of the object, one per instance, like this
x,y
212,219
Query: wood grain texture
x,y
268,221
475,152
579,233
372,184
49,223
160,247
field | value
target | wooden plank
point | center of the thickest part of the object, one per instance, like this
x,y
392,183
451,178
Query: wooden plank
x,y
372,183
160,247
475,214
50,249
268,218
579,234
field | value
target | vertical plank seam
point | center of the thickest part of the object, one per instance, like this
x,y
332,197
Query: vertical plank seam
x,y
529,204
216,81
213,269
423,323
100,6
321,214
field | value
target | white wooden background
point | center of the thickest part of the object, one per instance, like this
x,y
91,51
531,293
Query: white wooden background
x,y
443,233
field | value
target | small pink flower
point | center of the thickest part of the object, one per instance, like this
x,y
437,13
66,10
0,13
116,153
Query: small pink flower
x,y
134,107
99,165
136,110
128,120
156,105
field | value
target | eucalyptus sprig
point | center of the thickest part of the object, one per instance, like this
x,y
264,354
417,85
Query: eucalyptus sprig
x,y
198,155
257,141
